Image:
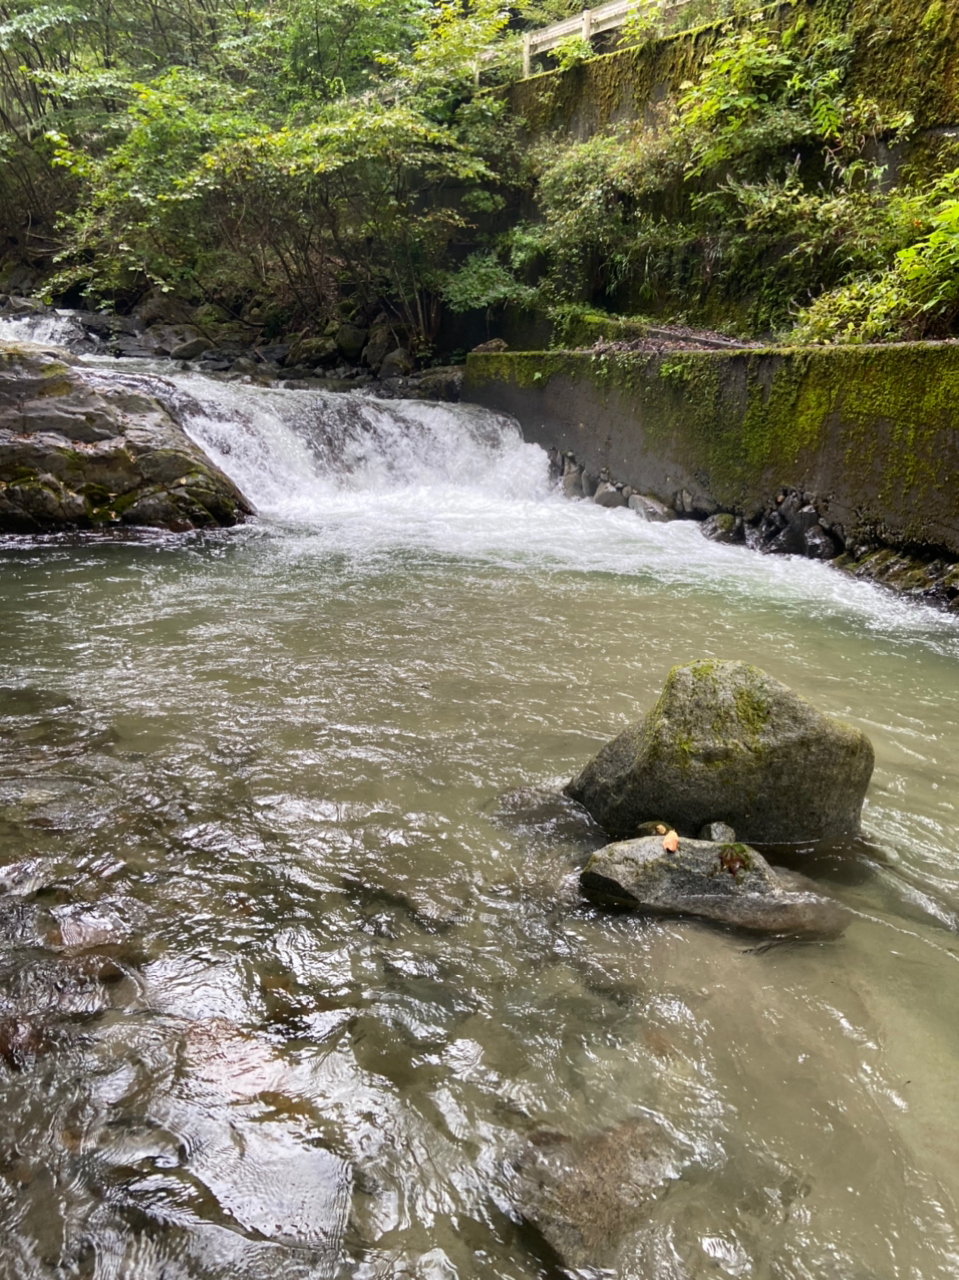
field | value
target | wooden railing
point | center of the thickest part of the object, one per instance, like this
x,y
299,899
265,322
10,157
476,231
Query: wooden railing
x,y
589,23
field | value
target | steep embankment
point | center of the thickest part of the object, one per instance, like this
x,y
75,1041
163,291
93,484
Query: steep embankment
x,y
906,56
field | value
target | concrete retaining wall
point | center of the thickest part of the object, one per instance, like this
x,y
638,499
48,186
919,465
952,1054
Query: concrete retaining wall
x,y
872,432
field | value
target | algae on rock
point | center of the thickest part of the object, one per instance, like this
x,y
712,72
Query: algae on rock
x,y
77,453
725,742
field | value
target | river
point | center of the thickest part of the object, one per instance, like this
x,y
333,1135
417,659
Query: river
x,y
288,967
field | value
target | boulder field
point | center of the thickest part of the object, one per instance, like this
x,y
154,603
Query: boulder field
x,y
81,452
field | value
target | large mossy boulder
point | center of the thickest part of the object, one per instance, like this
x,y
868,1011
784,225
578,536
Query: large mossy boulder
x,y
726,882
78,450
728,743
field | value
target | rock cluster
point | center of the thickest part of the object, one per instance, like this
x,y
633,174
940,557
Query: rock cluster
x,y
76,453
577,482
792,522
726,742
345,357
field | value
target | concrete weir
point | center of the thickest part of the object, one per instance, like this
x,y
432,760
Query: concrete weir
x,y
870,432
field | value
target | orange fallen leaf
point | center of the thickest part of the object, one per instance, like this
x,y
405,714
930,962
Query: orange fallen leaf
x,y
671,842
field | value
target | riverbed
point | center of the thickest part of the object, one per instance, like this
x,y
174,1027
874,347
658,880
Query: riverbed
x,y
290,970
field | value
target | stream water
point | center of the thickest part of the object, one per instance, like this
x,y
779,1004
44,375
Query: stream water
x,y
290,963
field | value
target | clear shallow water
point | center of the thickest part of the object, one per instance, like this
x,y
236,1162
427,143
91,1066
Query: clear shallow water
x,y
286,980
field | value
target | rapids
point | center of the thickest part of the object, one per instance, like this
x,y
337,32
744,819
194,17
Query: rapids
x,y
288,968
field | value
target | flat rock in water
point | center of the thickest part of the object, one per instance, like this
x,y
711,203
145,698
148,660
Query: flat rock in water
x,y
729,883
585,1195
728,743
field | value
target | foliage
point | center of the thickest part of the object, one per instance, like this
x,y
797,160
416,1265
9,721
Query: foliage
x,y
284,161
643,24
279,156
572,51
752,184
916,295
483,281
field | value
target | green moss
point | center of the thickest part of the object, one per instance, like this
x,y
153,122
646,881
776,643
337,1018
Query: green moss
x,y
684,748
752,713
886,418
906,57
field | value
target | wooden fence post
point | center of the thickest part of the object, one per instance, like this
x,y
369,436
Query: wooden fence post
x,y
527,59
587,24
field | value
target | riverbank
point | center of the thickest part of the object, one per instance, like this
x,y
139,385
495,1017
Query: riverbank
x,y
347,357
859,444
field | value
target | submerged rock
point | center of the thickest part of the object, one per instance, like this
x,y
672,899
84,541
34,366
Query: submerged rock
x,y
726,882
585,1195
728,743
79,452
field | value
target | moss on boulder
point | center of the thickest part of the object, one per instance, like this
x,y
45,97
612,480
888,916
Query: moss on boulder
x,y
79,452
727,743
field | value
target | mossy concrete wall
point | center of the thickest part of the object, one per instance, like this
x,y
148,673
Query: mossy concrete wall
x,y
872,432
906,57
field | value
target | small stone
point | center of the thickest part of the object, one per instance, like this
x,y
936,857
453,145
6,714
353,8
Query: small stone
x,y
792,540
275,354
704,506
819,545
654,827
397,364
573,484
719,832
723,528
191,350
650,509
753,536
350,340
683,503
380,343
607,495
445,383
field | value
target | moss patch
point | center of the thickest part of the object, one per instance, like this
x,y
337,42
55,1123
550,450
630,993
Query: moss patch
x,y
876,427
906,57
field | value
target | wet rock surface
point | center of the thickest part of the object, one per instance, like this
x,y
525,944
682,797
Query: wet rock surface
x,y
584,1196
727,882
727,743
78,452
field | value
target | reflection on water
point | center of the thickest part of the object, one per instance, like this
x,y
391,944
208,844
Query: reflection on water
x,y
292,978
